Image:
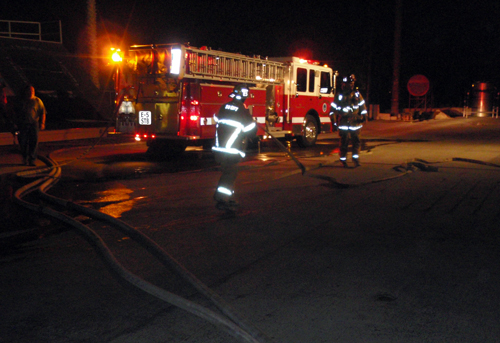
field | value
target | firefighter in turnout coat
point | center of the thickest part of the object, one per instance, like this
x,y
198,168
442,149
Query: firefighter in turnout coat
x,y
348,113
234,125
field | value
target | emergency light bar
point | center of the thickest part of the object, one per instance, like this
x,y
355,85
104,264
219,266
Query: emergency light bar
x,y
308,61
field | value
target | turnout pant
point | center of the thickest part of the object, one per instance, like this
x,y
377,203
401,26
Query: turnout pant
x,y
229,168
345,137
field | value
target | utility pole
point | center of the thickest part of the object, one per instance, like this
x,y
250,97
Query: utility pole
x,y
92,42
397,61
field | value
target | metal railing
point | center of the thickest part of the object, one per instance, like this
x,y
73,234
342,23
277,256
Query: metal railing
x,y
31,30
469,111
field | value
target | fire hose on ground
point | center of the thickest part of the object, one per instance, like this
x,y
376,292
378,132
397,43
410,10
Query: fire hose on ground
x,y
403,168
234,324
327,178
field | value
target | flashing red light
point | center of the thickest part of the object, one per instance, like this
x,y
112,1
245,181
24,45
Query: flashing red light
x,y
194,118
182,117
309,61
195,102
139,136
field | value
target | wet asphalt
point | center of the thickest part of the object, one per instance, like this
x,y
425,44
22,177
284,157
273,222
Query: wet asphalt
x,y
401,249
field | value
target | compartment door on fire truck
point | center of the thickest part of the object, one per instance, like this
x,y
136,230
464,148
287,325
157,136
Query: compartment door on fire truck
x,y
167,113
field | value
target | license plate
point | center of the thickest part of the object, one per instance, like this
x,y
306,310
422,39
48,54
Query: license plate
x,y
145,118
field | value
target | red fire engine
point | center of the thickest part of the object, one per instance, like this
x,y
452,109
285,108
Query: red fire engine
x,y
172,91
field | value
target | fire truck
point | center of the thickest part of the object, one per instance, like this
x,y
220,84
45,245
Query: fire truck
x,y
171,92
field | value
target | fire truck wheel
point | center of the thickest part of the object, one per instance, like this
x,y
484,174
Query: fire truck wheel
x,y
310,132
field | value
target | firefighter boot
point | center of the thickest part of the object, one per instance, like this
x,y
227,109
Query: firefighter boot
x,y
344,163
356,162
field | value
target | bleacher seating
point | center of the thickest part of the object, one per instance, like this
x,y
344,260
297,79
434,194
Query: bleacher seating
x,y
59,79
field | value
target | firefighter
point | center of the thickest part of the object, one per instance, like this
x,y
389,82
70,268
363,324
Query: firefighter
x,y
234,126
348,113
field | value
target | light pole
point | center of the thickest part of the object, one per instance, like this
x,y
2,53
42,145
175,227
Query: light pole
x,y
397,61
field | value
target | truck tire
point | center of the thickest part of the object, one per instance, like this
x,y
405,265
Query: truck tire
x,y
310,132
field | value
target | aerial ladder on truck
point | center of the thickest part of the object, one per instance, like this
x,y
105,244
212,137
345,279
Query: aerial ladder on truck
x,y
231,67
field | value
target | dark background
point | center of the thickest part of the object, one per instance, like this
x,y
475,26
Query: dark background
x,y
452,43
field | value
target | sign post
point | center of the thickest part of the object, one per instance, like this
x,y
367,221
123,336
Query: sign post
x,y
418,86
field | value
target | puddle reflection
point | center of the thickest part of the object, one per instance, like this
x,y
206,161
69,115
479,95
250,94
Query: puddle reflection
x,y
119,199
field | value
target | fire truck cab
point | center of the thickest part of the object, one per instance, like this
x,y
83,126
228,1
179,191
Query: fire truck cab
x,y
173,91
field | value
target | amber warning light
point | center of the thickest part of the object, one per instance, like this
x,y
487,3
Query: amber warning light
x,y
116,57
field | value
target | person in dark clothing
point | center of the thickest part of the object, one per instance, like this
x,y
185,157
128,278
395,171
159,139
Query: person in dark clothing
x,y
30,118
6,123
234,125
3,104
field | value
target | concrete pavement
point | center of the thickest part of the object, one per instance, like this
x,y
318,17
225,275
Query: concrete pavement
x,y
373,133
10,158
11,162
407,261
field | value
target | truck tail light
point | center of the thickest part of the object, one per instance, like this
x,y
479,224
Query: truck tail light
x,y
194,118
139,137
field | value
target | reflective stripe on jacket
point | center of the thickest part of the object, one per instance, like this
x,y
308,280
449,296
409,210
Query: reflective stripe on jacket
x,y
234,122
349,111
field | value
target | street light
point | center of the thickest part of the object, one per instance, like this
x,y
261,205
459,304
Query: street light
x,y
117,58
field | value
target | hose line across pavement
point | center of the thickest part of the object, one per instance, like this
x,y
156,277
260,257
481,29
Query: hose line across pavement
x,y
232,323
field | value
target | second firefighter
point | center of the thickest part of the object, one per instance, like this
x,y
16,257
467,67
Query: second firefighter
x,y
348,113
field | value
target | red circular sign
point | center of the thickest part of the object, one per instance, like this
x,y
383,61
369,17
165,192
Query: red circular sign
x,y
418,85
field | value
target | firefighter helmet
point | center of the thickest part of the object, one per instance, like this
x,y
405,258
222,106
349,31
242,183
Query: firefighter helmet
x,y
240,92
348,83
349,79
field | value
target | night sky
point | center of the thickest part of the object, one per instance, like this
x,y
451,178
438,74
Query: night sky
x,y
453,45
